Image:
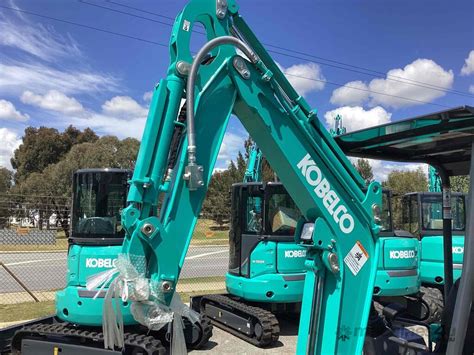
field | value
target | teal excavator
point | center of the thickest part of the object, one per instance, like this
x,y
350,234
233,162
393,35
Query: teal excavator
x,y
422,216
339,226
266,266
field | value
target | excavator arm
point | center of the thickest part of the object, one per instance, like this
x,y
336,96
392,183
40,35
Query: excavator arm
x,y
177,158
254,165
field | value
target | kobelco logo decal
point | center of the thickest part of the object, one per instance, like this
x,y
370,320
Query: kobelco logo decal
x,y
100,262
322,189
458,250
295,253
402,254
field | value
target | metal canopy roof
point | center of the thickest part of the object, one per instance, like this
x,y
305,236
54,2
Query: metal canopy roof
x,y
442,139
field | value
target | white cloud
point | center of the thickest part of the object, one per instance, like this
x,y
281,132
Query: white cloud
x,y
121,116
123,106
355,118
35,39
147,96
40,78
421,70
471,89
10,141
412,82
382,169
113,125
231,145
305,78
40,59
53,100
468,67
9,112
353,93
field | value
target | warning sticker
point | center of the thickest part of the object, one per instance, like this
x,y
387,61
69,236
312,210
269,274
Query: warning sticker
x,y
356,258
186,25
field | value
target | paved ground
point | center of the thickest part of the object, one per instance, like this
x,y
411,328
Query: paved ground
x,y
224,343
46,271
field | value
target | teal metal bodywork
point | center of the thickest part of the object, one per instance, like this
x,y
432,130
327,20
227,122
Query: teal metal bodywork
x,y
75,304
257,288
318,176
431,265
434,180
276,274
253,173
397,270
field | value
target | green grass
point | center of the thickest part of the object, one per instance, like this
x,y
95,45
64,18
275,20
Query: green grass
x,y
26,311
197,280
32,310
61,245
186,295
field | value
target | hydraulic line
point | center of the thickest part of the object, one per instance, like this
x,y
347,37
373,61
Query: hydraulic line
x,y
200,56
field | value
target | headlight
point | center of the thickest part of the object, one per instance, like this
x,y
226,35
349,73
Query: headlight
x,y
307,232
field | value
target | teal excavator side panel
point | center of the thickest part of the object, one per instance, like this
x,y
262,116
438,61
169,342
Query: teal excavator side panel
x,y
398,267
75,303
432,268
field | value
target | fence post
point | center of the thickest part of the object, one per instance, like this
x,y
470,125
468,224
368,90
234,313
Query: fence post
x,y
19,281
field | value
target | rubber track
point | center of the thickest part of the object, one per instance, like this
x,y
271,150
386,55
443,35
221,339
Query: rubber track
x,y
433,298
147,345
205,331
268,321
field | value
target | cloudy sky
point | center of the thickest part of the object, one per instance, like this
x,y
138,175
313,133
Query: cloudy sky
x,y
92,63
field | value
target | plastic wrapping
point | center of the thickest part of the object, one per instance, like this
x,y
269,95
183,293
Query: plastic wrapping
x,y
152,315
147,307
112,320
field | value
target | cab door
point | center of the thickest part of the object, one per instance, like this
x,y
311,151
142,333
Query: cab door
x,y
280,218
246,226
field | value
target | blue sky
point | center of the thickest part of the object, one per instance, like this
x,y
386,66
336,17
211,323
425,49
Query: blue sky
x,y
55,74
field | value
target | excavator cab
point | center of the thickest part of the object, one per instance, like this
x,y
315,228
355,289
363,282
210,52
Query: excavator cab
x,y
422,216
397,269
99,196
265,264
266,267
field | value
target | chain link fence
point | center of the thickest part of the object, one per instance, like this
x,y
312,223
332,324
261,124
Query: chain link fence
x,y
33,251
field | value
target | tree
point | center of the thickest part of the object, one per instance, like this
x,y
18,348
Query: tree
x,y
460,183
218,199
6,178
365,170
44,146
54,182
402,182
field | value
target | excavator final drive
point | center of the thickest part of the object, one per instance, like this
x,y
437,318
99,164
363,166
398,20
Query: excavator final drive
x,y
174,166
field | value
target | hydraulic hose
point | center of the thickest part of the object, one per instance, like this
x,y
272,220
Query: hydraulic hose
x,y
200,56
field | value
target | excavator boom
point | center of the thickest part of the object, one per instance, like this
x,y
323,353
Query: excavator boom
x,y
172,174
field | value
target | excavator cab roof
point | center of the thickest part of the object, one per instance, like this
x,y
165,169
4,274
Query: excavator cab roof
x,y
441,139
